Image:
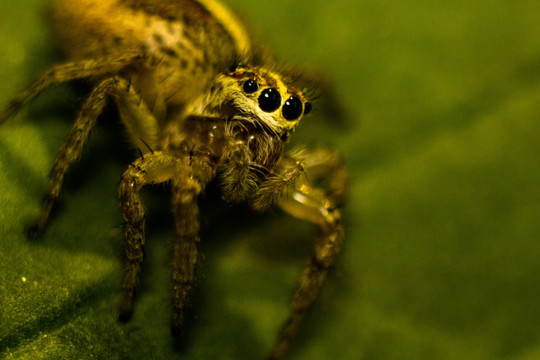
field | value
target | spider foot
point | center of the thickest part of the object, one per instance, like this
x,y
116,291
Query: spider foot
x,y
176,331
126,308
125,316
177,323
35,230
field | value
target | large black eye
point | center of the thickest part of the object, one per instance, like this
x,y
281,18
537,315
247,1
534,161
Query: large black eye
x,y
292,109
269,100
250,86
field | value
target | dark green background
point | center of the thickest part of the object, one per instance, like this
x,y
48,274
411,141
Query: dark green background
x,y
442,253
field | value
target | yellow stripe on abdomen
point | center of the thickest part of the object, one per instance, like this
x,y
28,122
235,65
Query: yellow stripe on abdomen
x,y
231,24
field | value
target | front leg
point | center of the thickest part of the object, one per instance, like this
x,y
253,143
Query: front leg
x,y
320,206
192,175
327,248
151,169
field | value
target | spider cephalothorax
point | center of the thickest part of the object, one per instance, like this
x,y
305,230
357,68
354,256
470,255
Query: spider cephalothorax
x,y
255,95
163,63
241,125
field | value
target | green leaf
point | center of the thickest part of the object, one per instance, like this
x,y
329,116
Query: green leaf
x,y
441,138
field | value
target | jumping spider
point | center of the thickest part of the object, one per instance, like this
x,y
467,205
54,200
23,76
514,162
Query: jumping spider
x,y
199,101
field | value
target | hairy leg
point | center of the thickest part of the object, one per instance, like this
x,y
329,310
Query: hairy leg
x,y
104,66
238,178
151,169
141,124
315,205
138,119
281,182
325,169
192,176
70,150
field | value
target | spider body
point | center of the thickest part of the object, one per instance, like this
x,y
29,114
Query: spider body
x,y
198,103
183,46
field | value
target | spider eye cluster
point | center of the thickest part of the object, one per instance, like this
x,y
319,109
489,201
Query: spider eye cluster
x,y
270,100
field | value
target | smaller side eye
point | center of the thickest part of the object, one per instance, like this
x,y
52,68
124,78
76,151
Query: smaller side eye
x,y
269,100
307,108
250,86
292,109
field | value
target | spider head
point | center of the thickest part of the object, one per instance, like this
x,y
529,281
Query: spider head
x,y
262,97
